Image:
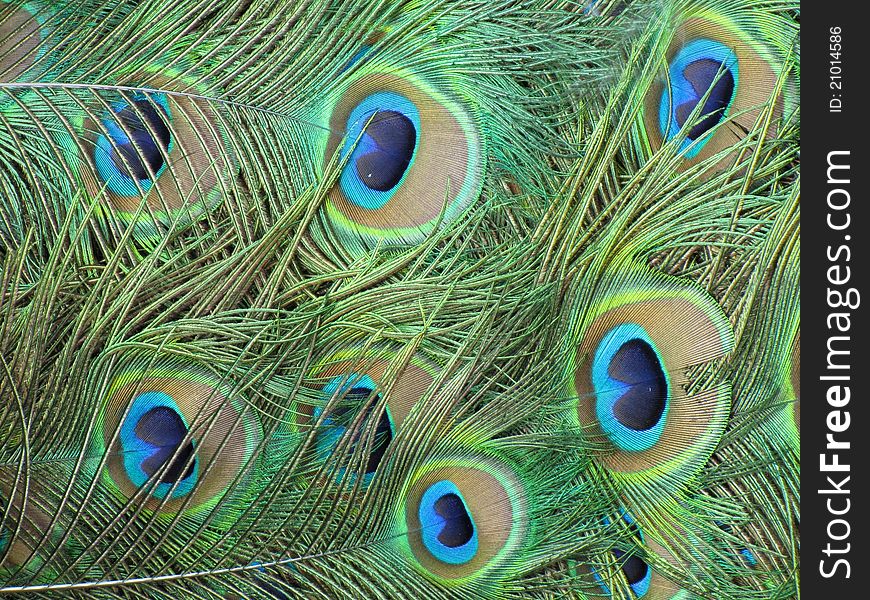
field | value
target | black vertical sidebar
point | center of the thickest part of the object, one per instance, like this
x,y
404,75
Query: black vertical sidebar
x,y
835,364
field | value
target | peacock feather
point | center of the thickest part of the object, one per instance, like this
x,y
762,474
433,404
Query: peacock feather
x,y
399,299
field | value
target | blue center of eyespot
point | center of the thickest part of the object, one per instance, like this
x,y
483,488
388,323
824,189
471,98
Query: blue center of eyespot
x,y
356,390
165,430
387,127
153,444
392,137
631,388
637,572
140,141
448,528
699,66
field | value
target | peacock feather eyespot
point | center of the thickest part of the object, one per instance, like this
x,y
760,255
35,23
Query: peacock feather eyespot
x,y
703,70
157,159
637,572
635,569
131,154
155,444
448,529
413,157
350,382
463,517
631,388
176,437
629,376
724,70
382,141
356,391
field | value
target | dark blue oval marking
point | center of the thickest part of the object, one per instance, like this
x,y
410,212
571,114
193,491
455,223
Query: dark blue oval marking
x,y
140,141
448,528
700,66
150,437
387,127
631,388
